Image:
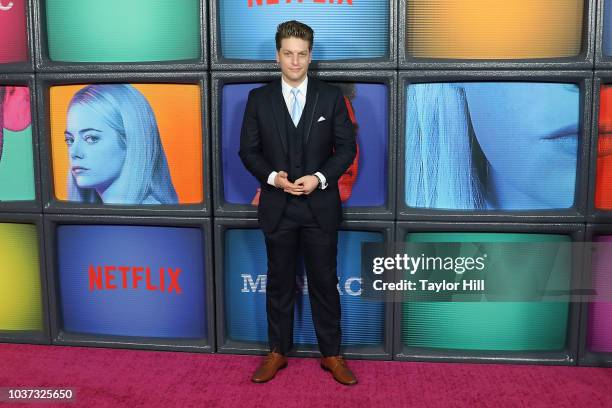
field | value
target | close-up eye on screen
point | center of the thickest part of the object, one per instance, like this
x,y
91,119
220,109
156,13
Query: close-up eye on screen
x,y
13,33
344,30
16,152
494,29
364,183
131,144
491,145
122,31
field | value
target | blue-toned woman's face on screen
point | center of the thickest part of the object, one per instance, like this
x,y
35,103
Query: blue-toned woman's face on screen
x,y
95,150
529,134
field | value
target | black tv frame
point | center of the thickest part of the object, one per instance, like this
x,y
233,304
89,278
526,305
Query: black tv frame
x,y
45,64
226,345
575,214
567,356
587,357
220,79
29,206
29,65
218,62
30,336
582,61
51,205
61,337
596,214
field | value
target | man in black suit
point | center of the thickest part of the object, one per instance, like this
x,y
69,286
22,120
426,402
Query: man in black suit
x,y
297,140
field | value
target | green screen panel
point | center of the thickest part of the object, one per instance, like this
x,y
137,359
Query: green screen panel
x,y
20,286
17,166
485,323
123,31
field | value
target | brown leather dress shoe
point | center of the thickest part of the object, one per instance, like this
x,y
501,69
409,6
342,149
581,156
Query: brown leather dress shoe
x,y
267,370
339,370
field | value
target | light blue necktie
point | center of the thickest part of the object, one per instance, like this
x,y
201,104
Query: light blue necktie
x,y
296,109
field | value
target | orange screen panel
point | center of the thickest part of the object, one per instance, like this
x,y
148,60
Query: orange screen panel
x,y
78,160
494,29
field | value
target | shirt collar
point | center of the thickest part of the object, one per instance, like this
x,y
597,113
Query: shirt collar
x,y
302,87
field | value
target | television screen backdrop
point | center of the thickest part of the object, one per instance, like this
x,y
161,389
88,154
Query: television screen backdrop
x,y
603,180
140,281
600,311
245,286
21,306
494,29
122,31
136,144
607,30
491,145
16,152
344,29
527,324
13,34
365,181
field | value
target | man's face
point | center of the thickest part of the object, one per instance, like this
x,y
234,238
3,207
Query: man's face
x,y
294,57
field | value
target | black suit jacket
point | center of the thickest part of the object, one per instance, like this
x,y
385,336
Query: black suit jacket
x,y
329,147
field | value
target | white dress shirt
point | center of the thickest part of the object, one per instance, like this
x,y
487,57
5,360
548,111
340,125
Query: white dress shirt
x,y
288,96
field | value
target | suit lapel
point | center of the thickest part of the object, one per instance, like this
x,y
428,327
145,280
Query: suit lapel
x,y
278,110
312,97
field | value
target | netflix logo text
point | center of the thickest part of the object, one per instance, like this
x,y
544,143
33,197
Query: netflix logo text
x,y
109,277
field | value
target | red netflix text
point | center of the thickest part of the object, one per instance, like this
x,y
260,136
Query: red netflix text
x,y
134,277
270,2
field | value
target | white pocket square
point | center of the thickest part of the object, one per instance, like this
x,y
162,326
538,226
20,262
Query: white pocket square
x,y
321,119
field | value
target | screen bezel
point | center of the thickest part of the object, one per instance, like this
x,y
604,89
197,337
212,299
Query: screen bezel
x,y
387,78
52,205
577,213
61,337
225,345
567,356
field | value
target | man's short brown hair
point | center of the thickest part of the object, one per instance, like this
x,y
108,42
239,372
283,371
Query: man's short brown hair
x,y
296,29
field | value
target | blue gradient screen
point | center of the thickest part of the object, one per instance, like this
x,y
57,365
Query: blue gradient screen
x,y
370,105
245,297
344,29
141,281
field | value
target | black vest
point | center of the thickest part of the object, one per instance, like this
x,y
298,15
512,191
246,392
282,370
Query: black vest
x,y
295,146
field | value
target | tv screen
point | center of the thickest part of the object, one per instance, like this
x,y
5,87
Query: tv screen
x,y
344,29
13,34
600,311
122,31
21,306
143,281
365,181
603,180
16,152
131,144
506,146
494,29
245,286
607,30
492,322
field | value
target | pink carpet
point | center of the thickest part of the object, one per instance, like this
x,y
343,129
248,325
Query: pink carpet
x,y
134,378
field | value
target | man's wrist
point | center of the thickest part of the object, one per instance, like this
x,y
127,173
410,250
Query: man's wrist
x,y
272,178
322,180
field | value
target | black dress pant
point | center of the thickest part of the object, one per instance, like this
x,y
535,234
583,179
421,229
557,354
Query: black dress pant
x,y
298,233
